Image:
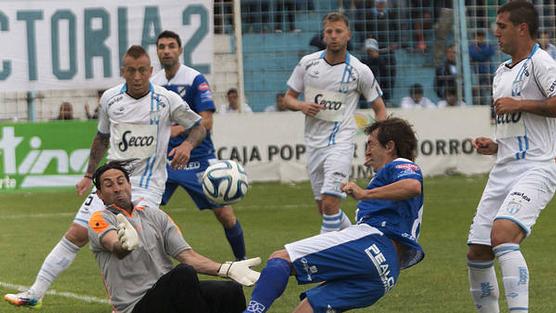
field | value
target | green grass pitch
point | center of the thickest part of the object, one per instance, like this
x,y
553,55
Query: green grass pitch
x,y
31,223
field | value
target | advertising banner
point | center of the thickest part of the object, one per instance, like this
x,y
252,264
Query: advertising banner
x,y
66,44
269,145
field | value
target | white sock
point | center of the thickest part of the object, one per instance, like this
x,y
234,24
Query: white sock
x,y
483,286
58,260
515,276
334,222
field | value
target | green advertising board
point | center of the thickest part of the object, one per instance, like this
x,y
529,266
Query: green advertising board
x,y
49,154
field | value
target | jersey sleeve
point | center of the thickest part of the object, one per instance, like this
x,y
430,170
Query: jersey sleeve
x,y
100,223
202,96
545,76
103,119
181,113
296,79
400,171
368,85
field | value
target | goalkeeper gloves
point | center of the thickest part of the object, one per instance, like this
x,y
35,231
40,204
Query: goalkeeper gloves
x,y
127,235
240,271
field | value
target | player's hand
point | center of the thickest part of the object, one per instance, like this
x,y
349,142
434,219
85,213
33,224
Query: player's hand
x,y
83,185
353,190
180,155
127,235
241,271
506,105
310,109
485,145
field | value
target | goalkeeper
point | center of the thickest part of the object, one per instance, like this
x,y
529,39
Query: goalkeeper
x,y
133,246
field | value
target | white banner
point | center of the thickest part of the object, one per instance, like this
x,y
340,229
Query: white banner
x,y
271,146
61,44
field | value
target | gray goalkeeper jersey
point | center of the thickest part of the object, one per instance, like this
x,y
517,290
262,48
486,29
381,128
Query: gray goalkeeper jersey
x,y
128,280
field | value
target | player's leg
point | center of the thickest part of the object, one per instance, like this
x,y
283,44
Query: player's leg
x,y
304,307
61,256
513,223
233,230
223,296
337,168
190,180
272,282
483,284
176,291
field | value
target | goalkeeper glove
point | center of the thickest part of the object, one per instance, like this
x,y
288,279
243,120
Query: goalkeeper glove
x,y
127,235
240,271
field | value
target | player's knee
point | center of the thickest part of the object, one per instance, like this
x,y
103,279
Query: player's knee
x,y
186,274
480,253
225,215
280,254
77,235
506,231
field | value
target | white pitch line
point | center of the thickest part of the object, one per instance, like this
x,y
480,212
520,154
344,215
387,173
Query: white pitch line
x,y
52,292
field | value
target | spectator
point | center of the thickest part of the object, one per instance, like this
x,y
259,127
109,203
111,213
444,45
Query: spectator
x,y
383,67
446,73
279,106
544,42
382,23
416,99
66,111
233,105
255,16
451,99
481,53
285,16
93,116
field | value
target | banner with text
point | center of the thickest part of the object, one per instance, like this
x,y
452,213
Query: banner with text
x,y
270,145
78,44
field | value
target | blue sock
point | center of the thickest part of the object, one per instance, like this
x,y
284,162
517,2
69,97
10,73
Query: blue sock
x,y
235,238
271,284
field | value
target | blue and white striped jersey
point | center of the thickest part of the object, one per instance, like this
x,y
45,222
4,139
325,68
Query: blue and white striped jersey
x,y
400,220
337,87
525,135
140,128
192,87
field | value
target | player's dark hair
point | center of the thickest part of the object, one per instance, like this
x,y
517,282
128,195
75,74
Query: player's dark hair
x,y
522,12
335,17
169,34
123,166
231,90
400,132
136,52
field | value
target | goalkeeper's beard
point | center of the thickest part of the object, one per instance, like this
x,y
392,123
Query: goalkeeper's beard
x,y
124,203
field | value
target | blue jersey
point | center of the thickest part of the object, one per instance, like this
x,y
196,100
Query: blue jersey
x,y
194,89
400,220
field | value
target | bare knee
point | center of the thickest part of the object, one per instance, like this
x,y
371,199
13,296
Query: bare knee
x,y
330,204
506,231
480,253
77,235
225,215
280,254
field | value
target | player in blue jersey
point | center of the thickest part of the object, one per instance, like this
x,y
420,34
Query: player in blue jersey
x,y
194,89
358,265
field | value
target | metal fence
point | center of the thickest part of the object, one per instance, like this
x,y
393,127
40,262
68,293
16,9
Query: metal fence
x,y
446,48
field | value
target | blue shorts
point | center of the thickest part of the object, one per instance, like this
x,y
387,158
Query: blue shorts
x,y
190,180
357,266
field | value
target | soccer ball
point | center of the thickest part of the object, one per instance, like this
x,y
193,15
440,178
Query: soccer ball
x,y
225,182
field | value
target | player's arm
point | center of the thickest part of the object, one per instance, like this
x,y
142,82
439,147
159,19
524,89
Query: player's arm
x,y
379,108
200,263
294,104
545,107
400,190
98,149
111,243
191,122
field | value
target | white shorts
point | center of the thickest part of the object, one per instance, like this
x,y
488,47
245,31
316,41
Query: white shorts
x,y
516,192
93,203
328,167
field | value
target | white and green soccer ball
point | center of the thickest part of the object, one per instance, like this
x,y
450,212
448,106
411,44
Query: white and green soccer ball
x,y
225,182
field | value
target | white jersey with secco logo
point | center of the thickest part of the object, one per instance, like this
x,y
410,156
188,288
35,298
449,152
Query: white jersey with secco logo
x,y
523,135
140,129
337,88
